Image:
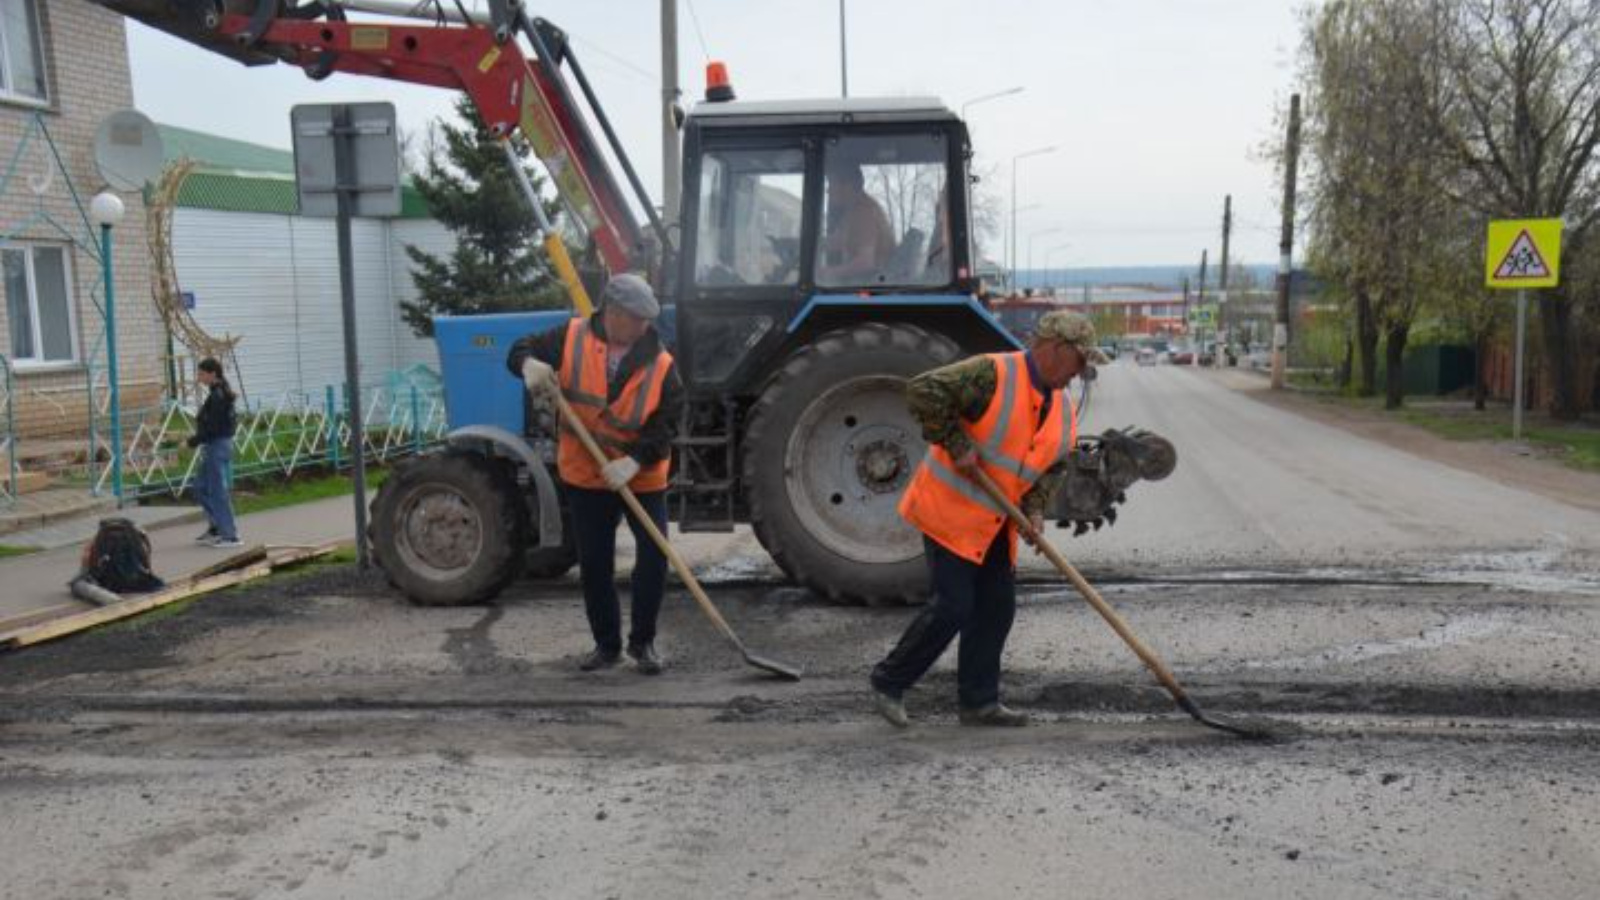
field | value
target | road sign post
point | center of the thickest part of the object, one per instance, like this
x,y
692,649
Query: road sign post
x,y
1522,254
347,163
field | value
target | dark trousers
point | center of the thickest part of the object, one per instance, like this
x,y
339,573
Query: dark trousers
x,y
595,515
978,602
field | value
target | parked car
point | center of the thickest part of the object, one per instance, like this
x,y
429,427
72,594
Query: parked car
x,y
1109,348
1181,357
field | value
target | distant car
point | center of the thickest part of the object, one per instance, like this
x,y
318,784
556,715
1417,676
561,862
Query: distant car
x,y
1181,357
1146,356
1109,349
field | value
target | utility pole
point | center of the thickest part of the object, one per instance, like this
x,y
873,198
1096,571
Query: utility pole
x,y
1200,302
844,56
671,152
1280,327
1185,303
1222,285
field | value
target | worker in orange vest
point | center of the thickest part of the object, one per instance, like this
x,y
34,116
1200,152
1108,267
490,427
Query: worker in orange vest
x,y
625,387
1008,415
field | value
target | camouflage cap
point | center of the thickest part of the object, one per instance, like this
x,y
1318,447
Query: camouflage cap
x,y
1071,328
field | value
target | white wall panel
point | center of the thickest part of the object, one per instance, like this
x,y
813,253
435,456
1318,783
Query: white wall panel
x,y
274,280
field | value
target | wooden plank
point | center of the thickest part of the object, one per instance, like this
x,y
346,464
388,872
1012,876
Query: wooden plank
x,y
33,617
70,624
236,561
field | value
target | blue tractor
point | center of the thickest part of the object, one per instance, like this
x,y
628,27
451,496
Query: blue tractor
x,y
794,348
822,256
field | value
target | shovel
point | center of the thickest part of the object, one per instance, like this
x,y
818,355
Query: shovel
x,y
782,670
1145,654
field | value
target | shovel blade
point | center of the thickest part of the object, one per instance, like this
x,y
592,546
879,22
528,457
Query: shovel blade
x,y
782,670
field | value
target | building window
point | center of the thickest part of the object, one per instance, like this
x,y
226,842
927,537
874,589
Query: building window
x,y
21,56
38,305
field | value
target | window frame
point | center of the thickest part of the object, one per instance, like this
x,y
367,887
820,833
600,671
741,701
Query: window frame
x,y
802,272
8,92
951,169
36,363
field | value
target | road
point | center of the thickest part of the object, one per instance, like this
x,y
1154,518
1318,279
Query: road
x,y
320,737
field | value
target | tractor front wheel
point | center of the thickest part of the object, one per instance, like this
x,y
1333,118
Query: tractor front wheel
x,y
449,529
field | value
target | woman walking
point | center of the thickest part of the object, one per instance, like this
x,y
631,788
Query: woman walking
x,y
213,436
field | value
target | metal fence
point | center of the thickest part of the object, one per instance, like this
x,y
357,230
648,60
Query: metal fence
x,y
291,433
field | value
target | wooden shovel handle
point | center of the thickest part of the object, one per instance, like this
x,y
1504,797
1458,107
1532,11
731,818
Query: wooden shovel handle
x,y
571,420
1025,527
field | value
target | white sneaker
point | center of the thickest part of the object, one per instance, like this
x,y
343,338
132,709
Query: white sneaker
x,y
222,543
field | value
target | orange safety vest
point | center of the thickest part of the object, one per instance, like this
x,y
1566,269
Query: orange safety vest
x,y
615,425
954,510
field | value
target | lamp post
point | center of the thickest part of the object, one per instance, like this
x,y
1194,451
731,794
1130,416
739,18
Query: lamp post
x,y
1014,160
106,210
1051,252
1011,239
1031,238
986,98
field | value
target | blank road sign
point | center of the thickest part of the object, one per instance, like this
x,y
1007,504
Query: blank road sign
x,y
375,149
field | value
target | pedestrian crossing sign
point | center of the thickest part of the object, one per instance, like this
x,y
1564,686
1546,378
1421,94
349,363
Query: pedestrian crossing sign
x,y
1523,253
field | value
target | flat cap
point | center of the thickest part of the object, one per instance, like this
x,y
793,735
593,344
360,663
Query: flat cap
x,y
1071,328
631,294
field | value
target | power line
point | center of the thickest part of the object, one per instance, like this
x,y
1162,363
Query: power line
x,y
616,58
694,18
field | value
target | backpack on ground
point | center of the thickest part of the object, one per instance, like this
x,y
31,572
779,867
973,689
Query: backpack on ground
x,y
117,558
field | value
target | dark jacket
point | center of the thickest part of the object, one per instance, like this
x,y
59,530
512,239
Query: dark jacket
x,y
655,437
217,419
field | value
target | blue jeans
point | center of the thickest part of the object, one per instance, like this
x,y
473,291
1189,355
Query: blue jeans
x,y
595,517
977,602
211,486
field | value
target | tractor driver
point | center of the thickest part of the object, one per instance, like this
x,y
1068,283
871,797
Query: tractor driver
x,y
625,388
1007,415
859,240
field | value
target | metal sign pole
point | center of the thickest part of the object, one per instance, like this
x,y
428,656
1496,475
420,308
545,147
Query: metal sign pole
x,y
345,189
1522,327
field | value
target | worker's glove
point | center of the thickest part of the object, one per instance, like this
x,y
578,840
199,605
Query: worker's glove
x,y
539,377
1036,522
619,472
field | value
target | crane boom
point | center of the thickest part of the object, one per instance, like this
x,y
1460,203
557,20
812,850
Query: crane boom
x,y
511,89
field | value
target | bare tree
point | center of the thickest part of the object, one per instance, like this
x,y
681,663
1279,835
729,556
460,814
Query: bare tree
x,y
1521,118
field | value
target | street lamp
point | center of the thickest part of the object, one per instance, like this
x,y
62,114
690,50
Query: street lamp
x,y
1031,238
1051,252
986,98
106,210
1014,160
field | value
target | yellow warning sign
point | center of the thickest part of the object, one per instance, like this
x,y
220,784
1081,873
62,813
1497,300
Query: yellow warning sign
x,y
1523,253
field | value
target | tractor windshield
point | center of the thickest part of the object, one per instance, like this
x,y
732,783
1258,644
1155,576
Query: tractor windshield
x,y
886,212
750,214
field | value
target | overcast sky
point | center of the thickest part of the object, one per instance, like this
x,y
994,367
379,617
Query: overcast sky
x,y
1157,107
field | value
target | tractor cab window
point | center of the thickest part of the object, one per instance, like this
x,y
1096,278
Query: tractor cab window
x,y
885,212
750,210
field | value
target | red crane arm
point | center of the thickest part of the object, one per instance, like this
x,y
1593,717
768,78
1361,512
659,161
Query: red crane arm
x,y
507,89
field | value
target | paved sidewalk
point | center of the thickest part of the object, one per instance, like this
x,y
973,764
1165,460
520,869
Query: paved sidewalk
x,y
39,580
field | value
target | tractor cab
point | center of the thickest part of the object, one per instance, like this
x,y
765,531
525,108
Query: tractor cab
x,y
791,202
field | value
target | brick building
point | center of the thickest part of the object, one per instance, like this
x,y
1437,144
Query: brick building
x,y
65,65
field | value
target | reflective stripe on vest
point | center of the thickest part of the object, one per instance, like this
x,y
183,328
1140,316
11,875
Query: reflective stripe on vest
x,y
1014,449
615,425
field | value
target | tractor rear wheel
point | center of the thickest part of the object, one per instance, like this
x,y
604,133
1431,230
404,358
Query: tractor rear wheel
x,y
829,450
449,529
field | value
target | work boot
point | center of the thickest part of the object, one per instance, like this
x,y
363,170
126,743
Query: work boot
x,y
995,715
646,659
599,659
893,709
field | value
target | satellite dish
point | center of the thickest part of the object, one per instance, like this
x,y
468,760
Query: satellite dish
x,y
127,150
